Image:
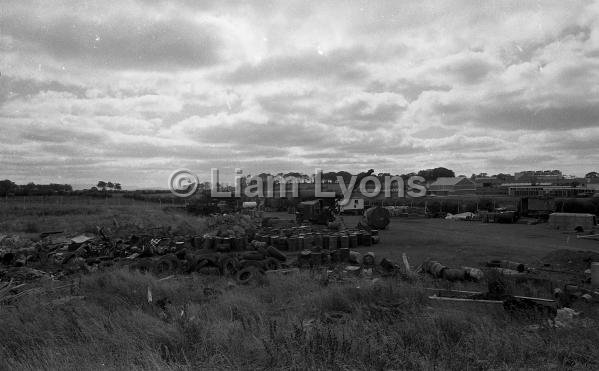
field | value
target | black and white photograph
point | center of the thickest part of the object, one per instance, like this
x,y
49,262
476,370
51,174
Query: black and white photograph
x,y
299,185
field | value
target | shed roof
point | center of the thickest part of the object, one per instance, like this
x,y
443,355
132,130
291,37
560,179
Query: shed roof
x,y
573,215
448,181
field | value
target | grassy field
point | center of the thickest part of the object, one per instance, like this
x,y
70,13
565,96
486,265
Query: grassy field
x,y
289,323
466,242
470,243
104,321
29,216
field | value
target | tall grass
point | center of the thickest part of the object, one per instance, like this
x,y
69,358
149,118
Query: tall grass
x,y
77,214
288,323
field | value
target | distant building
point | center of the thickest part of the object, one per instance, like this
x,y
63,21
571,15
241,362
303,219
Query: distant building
x,y
445,186
592,184
487,181
570,181
538,176
539,190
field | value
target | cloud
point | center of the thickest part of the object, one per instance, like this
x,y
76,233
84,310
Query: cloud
x,y
340,65
114,40
133,89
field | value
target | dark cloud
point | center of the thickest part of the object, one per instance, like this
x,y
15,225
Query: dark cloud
x,y
79,137
272,134
470,68
12,87
117,42
367,110
339,65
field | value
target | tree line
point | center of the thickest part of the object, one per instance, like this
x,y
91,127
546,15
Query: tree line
x,y
103,185
332,176
10,188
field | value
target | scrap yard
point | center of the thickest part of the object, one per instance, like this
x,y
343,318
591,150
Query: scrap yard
x,y
299,185
527,277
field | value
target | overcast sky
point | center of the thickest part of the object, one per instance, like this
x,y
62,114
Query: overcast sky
x,y
129,91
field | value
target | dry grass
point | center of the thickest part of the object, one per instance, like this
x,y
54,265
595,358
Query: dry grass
x,y
291,323
78,214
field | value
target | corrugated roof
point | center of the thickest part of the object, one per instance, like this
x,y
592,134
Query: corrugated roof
x,y
573,215
447,181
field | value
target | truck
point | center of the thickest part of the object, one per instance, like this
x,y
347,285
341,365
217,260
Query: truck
x,y
315,211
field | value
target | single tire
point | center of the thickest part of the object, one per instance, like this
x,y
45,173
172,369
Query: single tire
x,y
272,264
275,253
253,255
454,274
228,266
192,262
167,263
142,265
258,264
246,275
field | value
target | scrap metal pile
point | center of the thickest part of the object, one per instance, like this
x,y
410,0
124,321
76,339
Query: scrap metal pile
x,y
235,247
563,274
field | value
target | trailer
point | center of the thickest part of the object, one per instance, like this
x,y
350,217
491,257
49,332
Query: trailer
x,y
537,207
571,222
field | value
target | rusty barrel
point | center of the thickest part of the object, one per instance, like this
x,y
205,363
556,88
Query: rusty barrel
x,y
318,240
335,256
315,258
292,243
366,238
301,242
304,258
325,241
209,242
344,254
333,242
283,240
344,241
353,241
308,240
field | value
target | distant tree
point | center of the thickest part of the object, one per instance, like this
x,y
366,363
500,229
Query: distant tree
x,y
117,186
438,172
381,176
364,175
29,189
502,177
264,176
6,187
101,185
329,177
407,176
110,185
592,174
293,174
94,189
345,175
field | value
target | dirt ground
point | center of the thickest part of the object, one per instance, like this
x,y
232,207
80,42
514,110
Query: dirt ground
x,y
470,243
457,243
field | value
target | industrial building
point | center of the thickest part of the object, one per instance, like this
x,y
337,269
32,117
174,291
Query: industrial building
x,y
542,191
446,186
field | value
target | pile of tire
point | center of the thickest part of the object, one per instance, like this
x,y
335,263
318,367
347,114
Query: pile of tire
x,y
244,266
